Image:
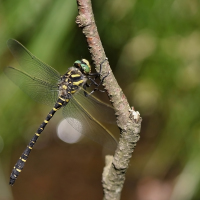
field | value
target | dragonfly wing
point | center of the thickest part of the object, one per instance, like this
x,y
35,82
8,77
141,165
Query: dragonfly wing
x,y
97,108
39,90
89,125
32,65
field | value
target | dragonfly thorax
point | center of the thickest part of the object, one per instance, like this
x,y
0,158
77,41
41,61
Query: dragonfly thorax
x,y
71,82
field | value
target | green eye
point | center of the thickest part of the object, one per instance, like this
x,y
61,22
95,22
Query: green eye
x,y
85,65
77,62
85,68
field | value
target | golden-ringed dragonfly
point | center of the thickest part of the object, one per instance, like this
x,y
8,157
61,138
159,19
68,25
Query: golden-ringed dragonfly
x,y
45,85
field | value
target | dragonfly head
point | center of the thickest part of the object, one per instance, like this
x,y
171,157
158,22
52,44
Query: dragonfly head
x,y
83,65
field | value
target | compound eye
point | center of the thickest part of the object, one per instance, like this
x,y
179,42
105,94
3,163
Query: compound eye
x,y
77,63
85,65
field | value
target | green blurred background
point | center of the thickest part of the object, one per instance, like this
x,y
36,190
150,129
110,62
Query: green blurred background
x,y
154,50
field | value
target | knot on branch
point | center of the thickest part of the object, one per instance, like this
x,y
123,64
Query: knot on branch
x,y
135,115
83,21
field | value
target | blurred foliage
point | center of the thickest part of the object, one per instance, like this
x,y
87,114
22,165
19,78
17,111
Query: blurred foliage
x,y
154,50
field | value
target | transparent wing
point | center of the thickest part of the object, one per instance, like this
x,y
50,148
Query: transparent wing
x,y
39,90
96,107
90,126
32,65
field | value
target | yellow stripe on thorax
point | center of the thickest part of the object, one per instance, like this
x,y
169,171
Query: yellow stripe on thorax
x,y
73,91
75,75
61,98
78,82
64,87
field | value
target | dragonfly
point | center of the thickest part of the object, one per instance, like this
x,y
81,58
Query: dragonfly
x,y
45,85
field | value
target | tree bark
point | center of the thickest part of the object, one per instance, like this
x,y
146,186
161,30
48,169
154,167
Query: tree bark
x,y
128,120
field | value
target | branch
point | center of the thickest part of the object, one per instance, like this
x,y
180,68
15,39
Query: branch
x,y
128,120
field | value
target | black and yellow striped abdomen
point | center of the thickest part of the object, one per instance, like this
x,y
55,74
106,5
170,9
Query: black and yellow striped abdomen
x,y
21,162
69,84
43,83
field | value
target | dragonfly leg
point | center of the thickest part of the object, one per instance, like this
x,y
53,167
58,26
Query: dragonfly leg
x,y
97,74
93,80
98,85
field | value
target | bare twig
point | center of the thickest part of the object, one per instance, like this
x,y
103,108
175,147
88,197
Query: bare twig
x,y
128,120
